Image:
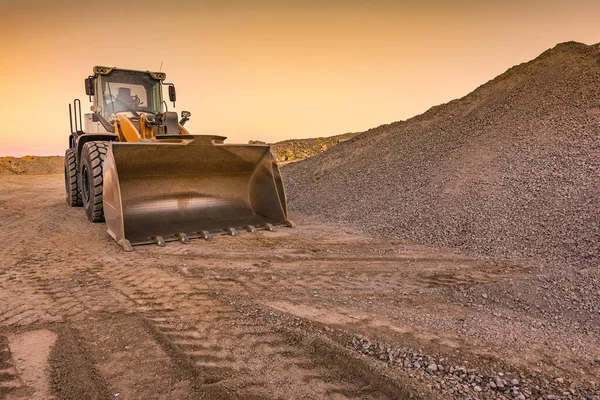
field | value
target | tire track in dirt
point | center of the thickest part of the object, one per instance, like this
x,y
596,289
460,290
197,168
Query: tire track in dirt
x,y
41,291
343,294
88,311
227,348
74,293
94,322
9,377
74,374
22,303
342,268
333,279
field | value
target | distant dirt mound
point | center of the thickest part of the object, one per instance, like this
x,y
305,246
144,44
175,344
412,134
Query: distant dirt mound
x,y
300,149
31,165
510,170
285,151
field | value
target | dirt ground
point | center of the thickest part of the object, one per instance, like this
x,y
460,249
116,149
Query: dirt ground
x,y
314,312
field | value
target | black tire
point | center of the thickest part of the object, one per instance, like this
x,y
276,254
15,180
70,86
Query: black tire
x,y
91,179
73,195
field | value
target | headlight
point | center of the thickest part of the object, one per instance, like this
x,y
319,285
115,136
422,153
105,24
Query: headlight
x,y
102,70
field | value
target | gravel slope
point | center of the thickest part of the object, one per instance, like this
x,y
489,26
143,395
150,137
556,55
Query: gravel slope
x,y
510,170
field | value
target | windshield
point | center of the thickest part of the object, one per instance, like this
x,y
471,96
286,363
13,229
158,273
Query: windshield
x,y
130,91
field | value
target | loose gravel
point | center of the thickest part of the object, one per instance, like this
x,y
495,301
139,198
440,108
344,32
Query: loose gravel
x,y
458,381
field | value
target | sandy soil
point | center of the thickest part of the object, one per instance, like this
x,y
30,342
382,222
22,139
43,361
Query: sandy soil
x,y
315,312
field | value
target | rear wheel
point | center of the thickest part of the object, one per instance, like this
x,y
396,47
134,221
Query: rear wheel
x,y
91,179
73,195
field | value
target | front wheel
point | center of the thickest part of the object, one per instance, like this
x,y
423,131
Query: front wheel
x,y
91,179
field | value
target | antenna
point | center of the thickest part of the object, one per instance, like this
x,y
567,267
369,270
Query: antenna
x,y
161,63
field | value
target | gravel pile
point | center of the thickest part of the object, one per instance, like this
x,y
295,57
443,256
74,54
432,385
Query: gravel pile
x,y
510,170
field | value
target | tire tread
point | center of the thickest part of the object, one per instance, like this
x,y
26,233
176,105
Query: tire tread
x,y
73,194
93,153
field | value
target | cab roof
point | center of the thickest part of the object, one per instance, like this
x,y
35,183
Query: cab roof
x,y
99,70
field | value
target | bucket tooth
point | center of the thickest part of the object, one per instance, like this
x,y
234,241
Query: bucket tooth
x,y
126,245
250,228
232,231
159,241
269,227
183,238
289,224
206,235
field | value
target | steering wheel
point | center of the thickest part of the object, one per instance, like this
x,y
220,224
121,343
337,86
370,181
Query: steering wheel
x,y
136,100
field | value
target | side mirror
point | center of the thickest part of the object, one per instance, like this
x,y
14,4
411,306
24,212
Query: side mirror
x,y
89,86
185,117
172,93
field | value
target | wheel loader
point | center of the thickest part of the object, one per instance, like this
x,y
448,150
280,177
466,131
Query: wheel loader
x,y
132,163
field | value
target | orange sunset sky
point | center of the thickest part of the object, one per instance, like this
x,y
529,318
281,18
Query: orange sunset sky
x,y
270,70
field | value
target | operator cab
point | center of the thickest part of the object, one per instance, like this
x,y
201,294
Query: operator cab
x,y
129,91
114,91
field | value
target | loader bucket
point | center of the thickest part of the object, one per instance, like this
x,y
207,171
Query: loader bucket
x,y
156,192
